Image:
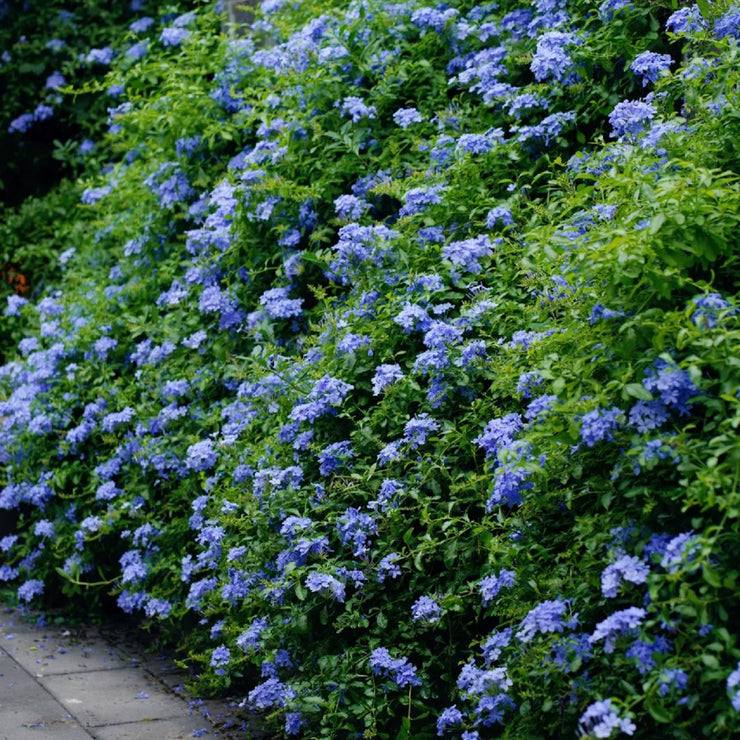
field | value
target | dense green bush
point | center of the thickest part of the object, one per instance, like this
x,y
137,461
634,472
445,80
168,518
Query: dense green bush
x,y
394,372
56,98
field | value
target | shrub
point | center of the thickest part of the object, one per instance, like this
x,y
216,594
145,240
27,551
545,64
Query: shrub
x,y
402,423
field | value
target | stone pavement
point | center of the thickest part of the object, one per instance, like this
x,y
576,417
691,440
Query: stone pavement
x,y
72,683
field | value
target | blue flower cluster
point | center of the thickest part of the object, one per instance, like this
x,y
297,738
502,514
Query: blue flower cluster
x,y
259,335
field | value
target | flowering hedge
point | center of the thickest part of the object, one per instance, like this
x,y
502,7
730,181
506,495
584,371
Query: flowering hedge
x,y
394,372
54,57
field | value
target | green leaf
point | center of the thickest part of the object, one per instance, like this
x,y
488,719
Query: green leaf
x,y
405,732
711,576
638,390
710,661
659,713
658,220
705,8
450,552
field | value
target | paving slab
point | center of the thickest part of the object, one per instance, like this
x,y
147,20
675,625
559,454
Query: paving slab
x,y
48,652
28,711
158,729
89,683
98,698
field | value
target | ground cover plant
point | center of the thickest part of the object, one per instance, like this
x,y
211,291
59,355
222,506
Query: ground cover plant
x,y
56,97
393,370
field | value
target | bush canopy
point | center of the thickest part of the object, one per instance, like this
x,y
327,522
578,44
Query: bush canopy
x,y
386,360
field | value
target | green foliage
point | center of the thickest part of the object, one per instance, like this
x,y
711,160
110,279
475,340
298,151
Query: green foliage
x,y
466,437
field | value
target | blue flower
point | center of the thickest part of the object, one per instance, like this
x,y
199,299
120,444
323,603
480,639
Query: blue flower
x,y
413,317
355,528
545,131
728,24
598,425
490,709
673,680
609,8
685,20
107,491
475,681
93,195
649,65
44,528
358,245
335,455
417,200
450,717
404,117
440,334
249,639
351,342
7,542
293,723
545,617
14,304
426,609
601,719
643,653
477,143
499,433
432,18
138,50
357,109
270,693
350,207
399,670
499,214
679,550
325,584
388,568
733,688
540,406
172,36
494,644
619,623
140,25
201,456
30,589
673,385
384,376
220,657
279,306
467,253
102,56
417,429
626,568
526,101
706,305
550,58
491,585
198,590
631,117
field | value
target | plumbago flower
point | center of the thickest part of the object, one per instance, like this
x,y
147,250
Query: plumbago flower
x,y
216,412
733,688
650,65
426,610
398,670
627,568
491,585
619,623
631,117
601,720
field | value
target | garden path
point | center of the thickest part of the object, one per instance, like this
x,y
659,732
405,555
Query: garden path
x,y
77,683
